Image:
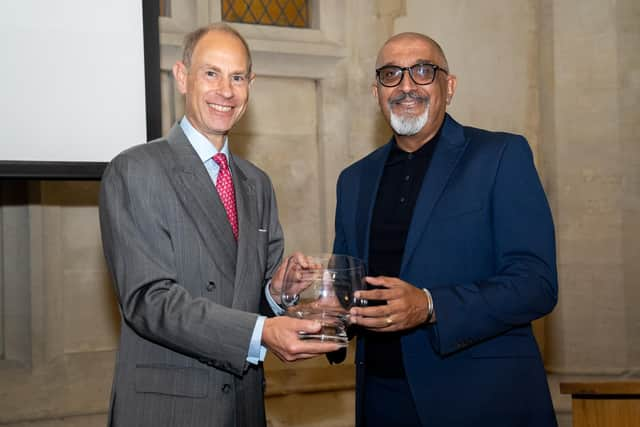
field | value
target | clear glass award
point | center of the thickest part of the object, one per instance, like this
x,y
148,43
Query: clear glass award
x,y
323,290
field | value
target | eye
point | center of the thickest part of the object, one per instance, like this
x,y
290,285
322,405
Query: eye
x,y
211,74
422,70
390,72
238,78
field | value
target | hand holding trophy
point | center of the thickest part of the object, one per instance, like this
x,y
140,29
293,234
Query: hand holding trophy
x,y
322,288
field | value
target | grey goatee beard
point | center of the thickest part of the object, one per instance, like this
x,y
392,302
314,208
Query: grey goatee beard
x,y
408,125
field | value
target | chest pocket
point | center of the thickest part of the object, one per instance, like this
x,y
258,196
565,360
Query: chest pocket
x,y
262,245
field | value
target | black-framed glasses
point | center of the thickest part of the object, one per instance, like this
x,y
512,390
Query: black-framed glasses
x,y
421,74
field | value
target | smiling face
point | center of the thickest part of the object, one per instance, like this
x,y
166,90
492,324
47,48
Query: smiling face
x,y
415,112
215,85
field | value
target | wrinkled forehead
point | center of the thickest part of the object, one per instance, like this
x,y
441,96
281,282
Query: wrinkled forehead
x,y
406,51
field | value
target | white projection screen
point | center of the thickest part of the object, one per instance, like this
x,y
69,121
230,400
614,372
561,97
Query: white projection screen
x,y
73,82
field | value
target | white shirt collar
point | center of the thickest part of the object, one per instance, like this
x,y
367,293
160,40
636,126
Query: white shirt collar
x,y
200,143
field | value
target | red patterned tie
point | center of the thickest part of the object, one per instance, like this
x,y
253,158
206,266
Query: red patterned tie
x,y
224,185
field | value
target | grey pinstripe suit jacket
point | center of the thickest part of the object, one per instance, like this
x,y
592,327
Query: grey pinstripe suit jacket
x,y
188,292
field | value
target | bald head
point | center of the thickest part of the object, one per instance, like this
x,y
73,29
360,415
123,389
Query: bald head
x,y
413,87
409,38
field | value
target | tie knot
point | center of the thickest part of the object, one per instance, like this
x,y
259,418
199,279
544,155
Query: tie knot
x,y
221,160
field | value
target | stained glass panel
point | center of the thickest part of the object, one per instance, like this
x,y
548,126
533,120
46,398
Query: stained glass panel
x,y
282,13
165,8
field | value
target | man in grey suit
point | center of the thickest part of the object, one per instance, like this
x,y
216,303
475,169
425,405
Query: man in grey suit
x,y
191,237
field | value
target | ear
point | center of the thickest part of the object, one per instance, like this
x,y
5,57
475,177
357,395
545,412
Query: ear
x,y
452,81
374,90
252,77
180,75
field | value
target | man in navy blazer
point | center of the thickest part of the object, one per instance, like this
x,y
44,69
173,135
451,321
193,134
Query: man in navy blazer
x,y
459,242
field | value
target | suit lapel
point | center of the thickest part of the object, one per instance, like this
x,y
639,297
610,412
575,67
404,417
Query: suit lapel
x,y
448,152
248,236
369,183
201,201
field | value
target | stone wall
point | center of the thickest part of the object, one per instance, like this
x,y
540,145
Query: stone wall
x,y
566,74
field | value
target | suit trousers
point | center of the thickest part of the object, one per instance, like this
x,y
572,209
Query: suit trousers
x,y
388,402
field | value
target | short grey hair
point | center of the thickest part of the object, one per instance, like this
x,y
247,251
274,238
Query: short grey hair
x,y
192,39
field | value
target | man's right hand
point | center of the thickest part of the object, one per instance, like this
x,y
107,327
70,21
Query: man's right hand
x,y
280,335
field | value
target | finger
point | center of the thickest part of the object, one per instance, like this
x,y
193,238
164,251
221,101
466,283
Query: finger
x,y
292,357
377,294
305,348
308,326
381,280
307,275
303,356
311,347
300,259
381,324
375,311
387,282
307,261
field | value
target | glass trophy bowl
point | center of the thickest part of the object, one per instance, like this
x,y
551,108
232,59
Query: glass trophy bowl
x,y
323,291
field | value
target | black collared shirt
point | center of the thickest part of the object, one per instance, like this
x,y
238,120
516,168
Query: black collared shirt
x,y
402,179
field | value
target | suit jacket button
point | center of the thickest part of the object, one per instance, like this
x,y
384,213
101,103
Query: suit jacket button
x,y
211,286
226,388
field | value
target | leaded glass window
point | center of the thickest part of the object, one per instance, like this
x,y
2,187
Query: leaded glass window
x,y
282,13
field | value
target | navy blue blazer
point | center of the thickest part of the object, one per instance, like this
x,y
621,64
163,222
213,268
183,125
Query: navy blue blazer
x,y
482,240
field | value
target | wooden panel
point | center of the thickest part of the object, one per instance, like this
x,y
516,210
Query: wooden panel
x,y
604,404
606,412
291,379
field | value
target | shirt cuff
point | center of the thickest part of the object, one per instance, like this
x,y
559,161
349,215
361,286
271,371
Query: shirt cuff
x,y
272,303
257,351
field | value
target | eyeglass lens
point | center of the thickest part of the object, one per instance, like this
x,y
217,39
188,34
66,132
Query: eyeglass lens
x,y
421,74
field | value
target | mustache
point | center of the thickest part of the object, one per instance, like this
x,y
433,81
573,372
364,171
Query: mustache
x,y
412,95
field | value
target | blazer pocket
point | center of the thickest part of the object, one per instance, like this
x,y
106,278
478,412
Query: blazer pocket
x,y
263,235
506,346
262,245
172,380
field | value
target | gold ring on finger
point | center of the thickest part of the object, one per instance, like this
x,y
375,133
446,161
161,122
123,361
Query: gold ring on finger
x,y
389,321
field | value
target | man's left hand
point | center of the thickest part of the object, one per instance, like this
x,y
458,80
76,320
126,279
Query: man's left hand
x,y
406,306
302,261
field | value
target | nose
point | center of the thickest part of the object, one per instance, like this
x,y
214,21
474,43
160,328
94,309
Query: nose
x,y
225,89
406,84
